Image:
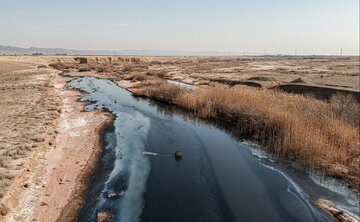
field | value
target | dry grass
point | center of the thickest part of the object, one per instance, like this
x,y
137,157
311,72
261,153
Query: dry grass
x,y
84,69
161,90
318,134
137,77
346,108
157,73
29,109
102,68
64,66
133,67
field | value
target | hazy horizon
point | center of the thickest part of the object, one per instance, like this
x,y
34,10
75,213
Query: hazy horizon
x,y
280,27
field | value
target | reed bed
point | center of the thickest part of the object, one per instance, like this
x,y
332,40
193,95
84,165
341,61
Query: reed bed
x,y
323,135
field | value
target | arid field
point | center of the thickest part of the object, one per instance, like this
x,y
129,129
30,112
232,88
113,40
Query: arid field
x,y
45,142
29,113
302,108
331,71
179,111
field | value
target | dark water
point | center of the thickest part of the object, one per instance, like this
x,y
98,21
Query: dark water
x,y
218,179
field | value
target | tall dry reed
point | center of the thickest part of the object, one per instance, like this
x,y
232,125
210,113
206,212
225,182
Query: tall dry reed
x,y
316,133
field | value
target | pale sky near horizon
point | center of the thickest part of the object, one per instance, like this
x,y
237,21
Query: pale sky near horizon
x,y
277,26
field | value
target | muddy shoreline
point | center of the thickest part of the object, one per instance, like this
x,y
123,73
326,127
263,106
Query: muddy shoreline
x,y
97,194
53,185
71,210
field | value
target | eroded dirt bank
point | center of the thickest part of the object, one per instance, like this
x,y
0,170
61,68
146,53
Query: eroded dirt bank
x,y
49,187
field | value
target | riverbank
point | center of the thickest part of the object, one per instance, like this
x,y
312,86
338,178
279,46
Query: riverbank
x,y
50,186
112,193
315,133
319,133
29,114
258,118
39,192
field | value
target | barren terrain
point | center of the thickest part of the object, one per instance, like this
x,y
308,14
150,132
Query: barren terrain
x,y
316,124
48,146
29,111
320,77
269,71
42,125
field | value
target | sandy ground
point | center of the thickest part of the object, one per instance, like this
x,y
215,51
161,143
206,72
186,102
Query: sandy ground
x,y
48,186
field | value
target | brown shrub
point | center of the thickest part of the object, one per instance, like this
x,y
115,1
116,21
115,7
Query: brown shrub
x,y
164,91
84,69
128,67
102,68
137,77
56,66
81,60
63,66
157,73
155,62
346,108
4,210
133,67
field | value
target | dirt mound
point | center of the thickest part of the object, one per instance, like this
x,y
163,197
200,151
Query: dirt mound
x,y
318,92
261,78
299,80
253,84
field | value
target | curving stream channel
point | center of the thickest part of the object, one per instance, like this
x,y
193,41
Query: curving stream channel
x,y
218,179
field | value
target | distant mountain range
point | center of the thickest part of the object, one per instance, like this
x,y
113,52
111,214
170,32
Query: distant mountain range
x,y
12,50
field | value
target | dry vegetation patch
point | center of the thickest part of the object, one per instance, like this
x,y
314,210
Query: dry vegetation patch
x,y
322,134
29,110
137,77
318,134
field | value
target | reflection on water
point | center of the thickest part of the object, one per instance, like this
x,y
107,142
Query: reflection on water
x,y
218,179
314,182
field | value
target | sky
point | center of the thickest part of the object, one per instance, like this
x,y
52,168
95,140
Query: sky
x,y
274,26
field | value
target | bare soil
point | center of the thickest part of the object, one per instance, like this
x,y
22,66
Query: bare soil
x,y
49,147
29,112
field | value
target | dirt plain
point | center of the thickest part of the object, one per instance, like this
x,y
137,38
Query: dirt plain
x,y
341,72
317,76
268,71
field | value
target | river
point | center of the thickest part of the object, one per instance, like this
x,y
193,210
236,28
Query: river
x,y
219,178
